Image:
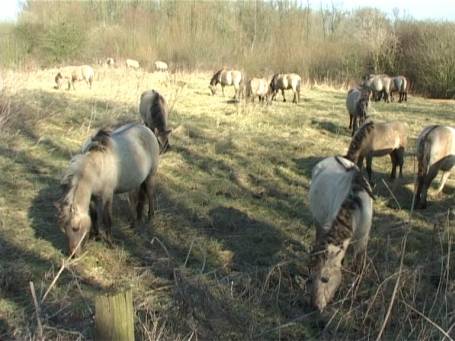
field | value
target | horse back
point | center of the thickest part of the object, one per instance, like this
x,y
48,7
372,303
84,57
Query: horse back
x,y
135,150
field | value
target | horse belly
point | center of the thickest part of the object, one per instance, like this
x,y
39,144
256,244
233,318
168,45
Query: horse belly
x,y
227,79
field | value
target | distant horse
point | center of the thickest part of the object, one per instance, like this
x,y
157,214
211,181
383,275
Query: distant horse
x,y
357,105
379,139
379,85
78,73
257,87
285,81
435,152
160,66
227,77
342,207
125,160
132,64
110,62
154,112
399,84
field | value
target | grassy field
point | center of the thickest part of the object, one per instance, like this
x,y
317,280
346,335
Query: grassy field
x,y
227,254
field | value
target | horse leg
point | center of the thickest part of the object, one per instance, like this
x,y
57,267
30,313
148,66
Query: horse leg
x,y
354,125
445,176
107,219
150,189
369,170
222,89
350,121
360,162
400,159
427,180
94,215
393,158
294,100
282,92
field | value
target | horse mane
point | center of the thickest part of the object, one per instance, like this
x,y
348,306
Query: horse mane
x,y
100,141
341,227
356,143
274,80
216,77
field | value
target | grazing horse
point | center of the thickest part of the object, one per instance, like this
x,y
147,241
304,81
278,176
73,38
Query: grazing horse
x,y
379,139
132,64
257,87
285,81
379,85
125,160
435,152
357,105
75,74
110,62
399,84
160,66
227,77
342,207
154,113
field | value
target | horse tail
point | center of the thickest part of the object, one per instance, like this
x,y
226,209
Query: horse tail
x,y
357,141
424,153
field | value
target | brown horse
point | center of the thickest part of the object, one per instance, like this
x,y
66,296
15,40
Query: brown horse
x,y
435,152
286,81
125,160
379,139
227,77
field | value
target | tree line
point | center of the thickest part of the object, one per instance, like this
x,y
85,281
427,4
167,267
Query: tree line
x,y
324,44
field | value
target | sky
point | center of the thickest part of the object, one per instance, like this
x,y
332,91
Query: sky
x,y
418,9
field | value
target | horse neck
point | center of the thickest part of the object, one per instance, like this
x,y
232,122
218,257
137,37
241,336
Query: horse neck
x,y
354,151
359,142
82,186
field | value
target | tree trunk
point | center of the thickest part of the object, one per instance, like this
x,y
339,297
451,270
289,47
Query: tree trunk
x,y
114,317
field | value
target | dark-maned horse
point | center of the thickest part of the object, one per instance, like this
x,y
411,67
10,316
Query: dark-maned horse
x,y
227,77
154,113
379,85
379,139
357,105
125,160
285,81
399,84
75,74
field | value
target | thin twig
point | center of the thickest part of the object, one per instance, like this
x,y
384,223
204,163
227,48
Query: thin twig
x,y
64,264
434,324
391,193
162,245
37,310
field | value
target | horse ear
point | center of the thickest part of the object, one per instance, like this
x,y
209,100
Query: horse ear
x,y
168,131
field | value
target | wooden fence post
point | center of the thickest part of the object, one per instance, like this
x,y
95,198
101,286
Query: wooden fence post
x,y
114,317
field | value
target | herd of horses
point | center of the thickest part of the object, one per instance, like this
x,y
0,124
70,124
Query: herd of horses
x,y
126,160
